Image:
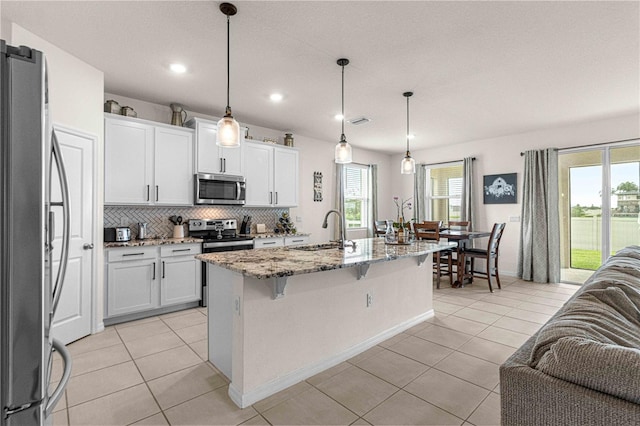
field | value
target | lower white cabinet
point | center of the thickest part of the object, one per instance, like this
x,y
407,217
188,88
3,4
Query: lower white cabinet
x,y
296,240
289,240
145,278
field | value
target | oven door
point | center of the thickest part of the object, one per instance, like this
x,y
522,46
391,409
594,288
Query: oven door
x,y
216,247
219,189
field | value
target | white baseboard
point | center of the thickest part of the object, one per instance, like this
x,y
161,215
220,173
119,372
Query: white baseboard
x,y
290,379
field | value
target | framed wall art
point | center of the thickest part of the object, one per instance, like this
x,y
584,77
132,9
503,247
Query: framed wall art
x,y
317,186
500,189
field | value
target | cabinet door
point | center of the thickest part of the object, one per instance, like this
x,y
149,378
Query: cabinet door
x,y
207,152
128,162
131,287
268,242
296,240
258,171
173,167
285,177
231,161
181,280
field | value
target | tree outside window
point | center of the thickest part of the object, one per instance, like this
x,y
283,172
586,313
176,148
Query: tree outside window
x,y
356,196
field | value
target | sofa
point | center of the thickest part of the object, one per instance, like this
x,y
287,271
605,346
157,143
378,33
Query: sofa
x,y
583,366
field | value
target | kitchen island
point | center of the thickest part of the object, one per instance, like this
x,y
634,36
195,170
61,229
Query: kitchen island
x,y
278,316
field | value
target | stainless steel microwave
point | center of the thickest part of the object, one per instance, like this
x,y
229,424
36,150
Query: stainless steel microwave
x,y
220,189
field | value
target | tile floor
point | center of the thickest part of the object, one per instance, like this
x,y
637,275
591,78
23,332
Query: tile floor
x,y
441,372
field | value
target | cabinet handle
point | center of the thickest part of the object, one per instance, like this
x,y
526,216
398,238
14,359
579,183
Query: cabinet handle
x,y
221,168
157,192
132,254
270,197
154,271
224,163
276,198
297,241
269,243
163,269
147,192
181,250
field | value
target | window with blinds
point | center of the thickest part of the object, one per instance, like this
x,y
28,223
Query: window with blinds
x,y
444,192
356,196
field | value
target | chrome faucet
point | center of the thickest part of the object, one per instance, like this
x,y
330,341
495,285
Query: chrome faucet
x,y
342,243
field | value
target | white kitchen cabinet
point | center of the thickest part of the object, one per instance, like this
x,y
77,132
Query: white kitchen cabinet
x,y
132,281
147,163
268,242
181,274
296,240
210,158
272,175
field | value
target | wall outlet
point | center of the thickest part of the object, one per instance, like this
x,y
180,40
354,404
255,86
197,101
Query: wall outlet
x,y
514,218
298,218
369,300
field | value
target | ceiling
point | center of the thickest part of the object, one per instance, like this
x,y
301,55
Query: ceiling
x,y
477,69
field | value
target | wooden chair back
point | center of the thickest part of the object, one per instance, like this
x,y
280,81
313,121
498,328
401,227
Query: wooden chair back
x,y
494,239
380,227
428,230
460,225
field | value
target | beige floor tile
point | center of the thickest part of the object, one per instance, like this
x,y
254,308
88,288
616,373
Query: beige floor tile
x,y
256,421
392,367
421,350
548,301
477,315
193,333
499,299
213,408
155,420
506,337
153,344
497,389
418,328
283,395
487,350
444,336
60,418
135,322
178,387
462,325
475,370
167,362
447,308
120,408
311,407
144,330
554,295
529,316
357,390
457,300
450,393
102,382
108,337
366,354
536,307
327,374
360,422
98,359
522,288
406,409
521,326
393,340
487,306
201,347
181,312
488,413
189,319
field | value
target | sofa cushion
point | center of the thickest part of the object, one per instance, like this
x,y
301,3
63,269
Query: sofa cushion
x,y
611,369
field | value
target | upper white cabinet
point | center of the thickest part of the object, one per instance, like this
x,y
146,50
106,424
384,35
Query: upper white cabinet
x,y
272,175
211,158
146,163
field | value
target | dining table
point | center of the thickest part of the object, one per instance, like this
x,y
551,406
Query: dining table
x,y
462,237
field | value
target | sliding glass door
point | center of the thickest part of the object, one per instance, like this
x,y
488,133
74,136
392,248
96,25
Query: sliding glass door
x,y
599,206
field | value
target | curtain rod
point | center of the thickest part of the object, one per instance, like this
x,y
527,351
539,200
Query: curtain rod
x,y
446,162
594,144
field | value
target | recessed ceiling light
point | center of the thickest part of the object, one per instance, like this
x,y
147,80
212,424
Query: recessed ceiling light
x,y
178,68
276,97
411,136
338,116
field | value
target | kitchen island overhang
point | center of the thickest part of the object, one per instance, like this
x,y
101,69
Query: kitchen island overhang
x,y
337,304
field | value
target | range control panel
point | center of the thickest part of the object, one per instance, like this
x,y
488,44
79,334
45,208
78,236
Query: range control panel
x,y
212,224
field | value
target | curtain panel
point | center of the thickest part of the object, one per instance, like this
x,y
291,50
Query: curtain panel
x,y
339,202
467,209
419,210
373,197
539,248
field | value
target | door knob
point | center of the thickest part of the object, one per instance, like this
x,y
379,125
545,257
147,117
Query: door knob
x,y
87,246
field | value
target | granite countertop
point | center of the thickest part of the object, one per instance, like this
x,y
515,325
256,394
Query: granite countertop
x,y
274,235
287,261
153,242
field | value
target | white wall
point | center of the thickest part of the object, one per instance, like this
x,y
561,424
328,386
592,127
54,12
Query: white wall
x,y
502,155
75,93
315,156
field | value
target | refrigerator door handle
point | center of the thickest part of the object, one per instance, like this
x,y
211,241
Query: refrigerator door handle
x,y
66,375
64,255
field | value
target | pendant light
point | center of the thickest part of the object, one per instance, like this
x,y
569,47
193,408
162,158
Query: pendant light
x,y
228,134
343,149
408,165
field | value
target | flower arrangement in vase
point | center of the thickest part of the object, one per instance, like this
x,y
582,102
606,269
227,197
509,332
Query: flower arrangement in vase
x,y
401,205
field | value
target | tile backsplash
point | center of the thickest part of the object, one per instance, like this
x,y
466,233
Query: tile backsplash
x,y
157,218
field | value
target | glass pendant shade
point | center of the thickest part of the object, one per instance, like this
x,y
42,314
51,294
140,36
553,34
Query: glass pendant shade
x,y
408,165
343,153
228,134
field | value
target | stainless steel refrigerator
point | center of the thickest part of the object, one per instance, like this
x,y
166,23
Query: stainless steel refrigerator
x,y
29,291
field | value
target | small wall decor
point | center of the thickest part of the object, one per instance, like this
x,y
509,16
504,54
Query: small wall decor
x,y
317,186
500,189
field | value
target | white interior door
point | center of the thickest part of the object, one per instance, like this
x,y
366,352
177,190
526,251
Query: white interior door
x,y
72,320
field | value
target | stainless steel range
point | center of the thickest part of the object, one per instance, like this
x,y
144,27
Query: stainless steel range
x,y
217,235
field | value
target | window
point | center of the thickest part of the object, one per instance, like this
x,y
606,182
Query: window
x,y
356,196
444,192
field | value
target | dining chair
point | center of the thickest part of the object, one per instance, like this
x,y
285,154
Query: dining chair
x,y
491,253
442,263
380,227
459,225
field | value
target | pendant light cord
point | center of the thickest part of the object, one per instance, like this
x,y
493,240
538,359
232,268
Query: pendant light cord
x,y
407,123
342,138
228,68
